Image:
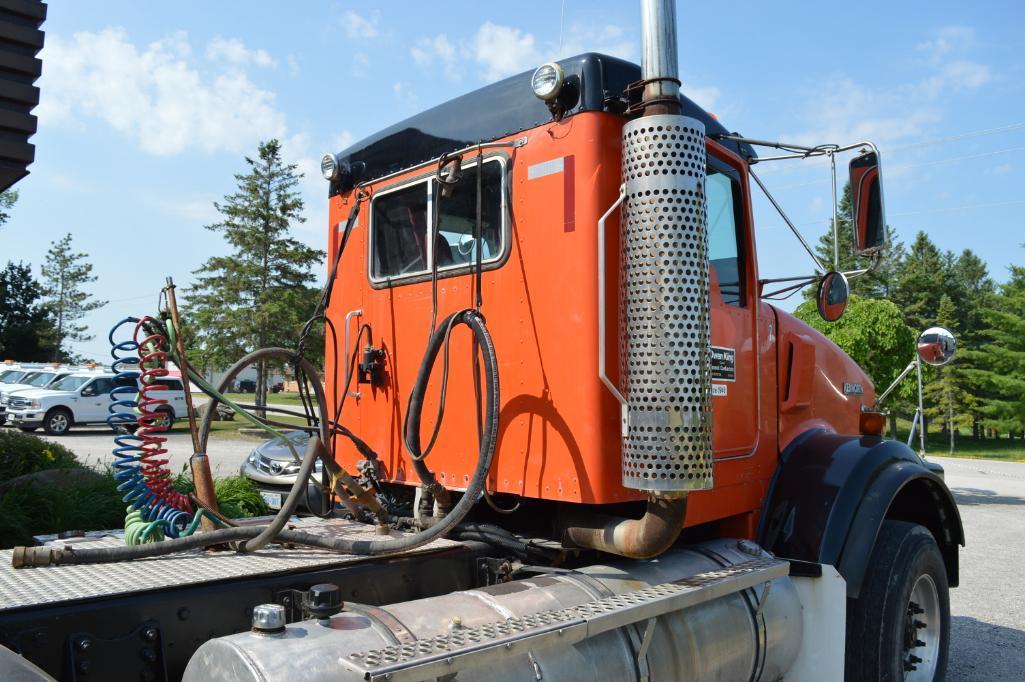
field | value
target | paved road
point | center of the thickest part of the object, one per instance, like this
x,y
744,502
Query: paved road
x,y
988,609
93,445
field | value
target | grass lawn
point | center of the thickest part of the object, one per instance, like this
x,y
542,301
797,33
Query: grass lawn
x,y
272,398
230,429
938,444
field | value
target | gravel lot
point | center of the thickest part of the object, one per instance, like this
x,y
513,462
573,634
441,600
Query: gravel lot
x,y
988,609
93,446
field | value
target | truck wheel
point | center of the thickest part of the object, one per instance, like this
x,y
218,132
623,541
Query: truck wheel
x,y
167,415
899,627
57,421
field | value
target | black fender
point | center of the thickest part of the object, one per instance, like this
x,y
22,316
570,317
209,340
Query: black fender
x,y
831,493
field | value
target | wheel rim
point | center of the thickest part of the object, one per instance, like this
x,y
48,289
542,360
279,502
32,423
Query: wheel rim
x,y
58,422
920,654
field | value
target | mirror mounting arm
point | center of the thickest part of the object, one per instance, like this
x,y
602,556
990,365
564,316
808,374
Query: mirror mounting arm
x,y
900,377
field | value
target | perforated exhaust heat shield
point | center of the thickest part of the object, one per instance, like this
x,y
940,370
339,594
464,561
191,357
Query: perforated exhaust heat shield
x,y
665,306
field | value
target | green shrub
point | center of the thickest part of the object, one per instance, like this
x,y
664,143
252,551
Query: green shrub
x,y
89,502
237,496
23,453
35,509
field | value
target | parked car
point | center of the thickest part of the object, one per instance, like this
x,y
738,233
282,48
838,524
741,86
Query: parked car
x,y
273,468
29,380
78,399
247,386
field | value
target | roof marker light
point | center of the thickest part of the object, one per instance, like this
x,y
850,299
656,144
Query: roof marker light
x,y
547,81
329,166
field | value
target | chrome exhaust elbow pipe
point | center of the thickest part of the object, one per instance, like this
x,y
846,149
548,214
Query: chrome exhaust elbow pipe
x,y
643,538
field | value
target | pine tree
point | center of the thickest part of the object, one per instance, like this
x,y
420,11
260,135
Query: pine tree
x,y
64,275
921,282
975,292
259,295
1000,363
25,329
876,284
949,395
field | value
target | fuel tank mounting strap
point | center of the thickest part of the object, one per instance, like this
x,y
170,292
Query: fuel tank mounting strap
x,y
512,638
387,624
599,590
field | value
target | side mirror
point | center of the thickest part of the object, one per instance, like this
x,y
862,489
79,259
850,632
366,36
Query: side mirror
x,y
936,346
832,296
88,391
867,203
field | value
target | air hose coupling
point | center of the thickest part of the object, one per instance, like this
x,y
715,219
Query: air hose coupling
x,y
30,557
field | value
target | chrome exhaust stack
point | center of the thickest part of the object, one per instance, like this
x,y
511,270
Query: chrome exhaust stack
x,y
664,305
665,292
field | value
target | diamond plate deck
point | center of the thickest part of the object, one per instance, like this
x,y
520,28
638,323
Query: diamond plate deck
x,y
443,655
45,586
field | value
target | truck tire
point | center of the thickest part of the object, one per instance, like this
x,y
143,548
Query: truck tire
x,y
169,413
899,626
57,421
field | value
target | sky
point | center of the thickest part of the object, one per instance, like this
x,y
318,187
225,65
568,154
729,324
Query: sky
x,y
148,109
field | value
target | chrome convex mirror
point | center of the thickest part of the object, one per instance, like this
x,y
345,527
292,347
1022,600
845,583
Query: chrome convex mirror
x,y
832,296
867,203
936,346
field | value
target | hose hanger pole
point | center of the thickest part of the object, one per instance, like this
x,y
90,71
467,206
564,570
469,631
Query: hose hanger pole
x,y
199,463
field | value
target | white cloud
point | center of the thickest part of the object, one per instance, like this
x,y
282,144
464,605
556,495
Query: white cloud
x,y
427,51
233,51
842,110
360,65
342,140
506,50
955,76
947,40
704,96
503,50
198,210
359,27
155,94
403,94
608,40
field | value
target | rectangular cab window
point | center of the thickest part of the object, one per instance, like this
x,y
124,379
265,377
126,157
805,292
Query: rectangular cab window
x,y
724,256
400,225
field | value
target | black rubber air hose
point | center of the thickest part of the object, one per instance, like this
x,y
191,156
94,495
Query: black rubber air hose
x,y
414,410
45,556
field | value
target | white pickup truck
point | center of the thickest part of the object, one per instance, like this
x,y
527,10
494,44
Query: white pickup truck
x,y
80,398
26,381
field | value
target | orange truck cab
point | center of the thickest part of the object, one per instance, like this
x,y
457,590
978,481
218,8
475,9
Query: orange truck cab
x,y
776,382
518,216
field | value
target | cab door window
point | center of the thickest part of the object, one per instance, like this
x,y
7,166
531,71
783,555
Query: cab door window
x,y
401,221
722,194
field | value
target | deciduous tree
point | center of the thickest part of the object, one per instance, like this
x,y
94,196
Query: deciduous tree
x,y
26,333
7,200
873,333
